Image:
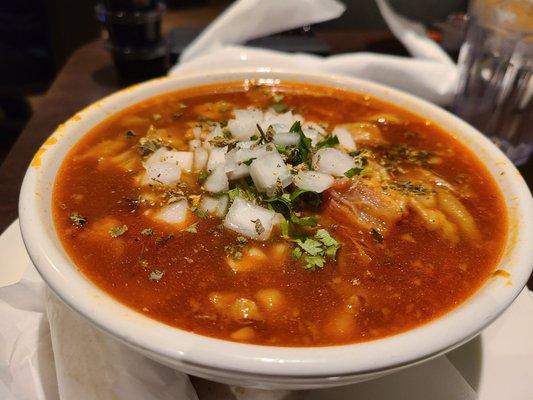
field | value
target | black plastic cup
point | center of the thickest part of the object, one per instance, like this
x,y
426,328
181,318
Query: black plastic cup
x,y
136,64
132,29
130,5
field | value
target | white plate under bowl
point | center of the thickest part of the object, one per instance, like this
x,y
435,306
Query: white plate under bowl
x,y
268,366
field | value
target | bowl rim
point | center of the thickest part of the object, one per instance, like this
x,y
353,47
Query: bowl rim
x,y
195,351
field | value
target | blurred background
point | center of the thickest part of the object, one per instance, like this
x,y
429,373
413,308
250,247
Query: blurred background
x,y
38,36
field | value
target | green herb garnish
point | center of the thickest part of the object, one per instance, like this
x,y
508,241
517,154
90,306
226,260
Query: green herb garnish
x,y
315,250
280,107
199,212
191,228
147,232
302,152
77,219
330,141
202,176
156,275
118,231
352,172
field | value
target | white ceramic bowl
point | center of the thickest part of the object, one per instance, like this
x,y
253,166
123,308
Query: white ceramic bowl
x,y
265,366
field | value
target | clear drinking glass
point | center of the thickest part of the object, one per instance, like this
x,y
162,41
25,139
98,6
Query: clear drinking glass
x,y
495,66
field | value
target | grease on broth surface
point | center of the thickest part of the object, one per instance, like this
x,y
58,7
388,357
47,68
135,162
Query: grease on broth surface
x,y
383,221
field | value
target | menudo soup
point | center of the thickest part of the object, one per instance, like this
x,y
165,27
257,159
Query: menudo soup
x,y
283,215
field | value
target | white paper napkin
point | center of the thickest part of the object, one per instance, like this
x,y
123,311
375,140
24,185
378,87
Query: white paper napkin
x,y
431,74
251,19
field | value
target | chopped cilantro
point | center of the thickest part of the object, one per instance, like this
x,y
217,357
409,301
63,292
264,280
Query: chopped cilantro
x,y
254,137
245,191
199,212
248,162
77,219
329,141
311,262
308,197
147,232
304,146
191,228
280,107
352,172
284,225
118,231
156,275
324,236
315,250
304,221
296,253
202,176
281,148
277,97
241,240
310,246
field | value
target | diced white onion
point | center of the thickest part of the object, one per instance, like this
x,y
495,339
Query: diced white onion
x,y
247,154
174,213
194,143
312,134
312,180
279,128
200,158
197,132
209,204
215,206
239,172
287,138
160,172
244,125
267,171
242,217
345,138
284,119
332,161
217,181
156,156
216,131
217,156
222,206
182,158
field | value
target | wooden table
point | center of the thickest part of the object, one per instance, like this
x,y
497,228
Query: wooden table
x,y
86,77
